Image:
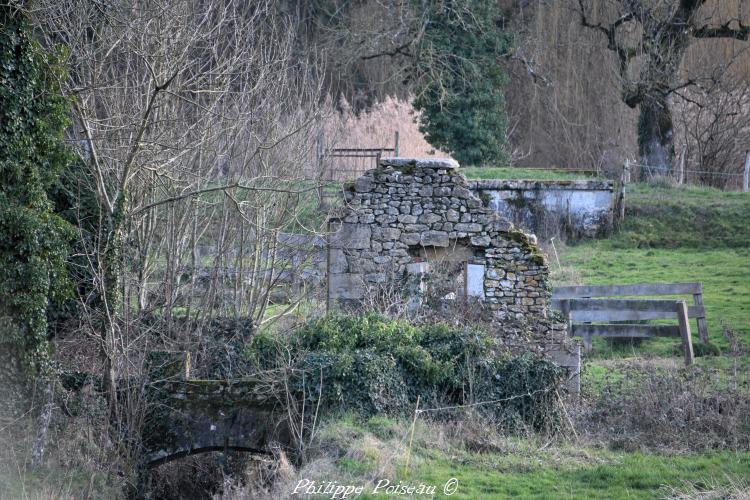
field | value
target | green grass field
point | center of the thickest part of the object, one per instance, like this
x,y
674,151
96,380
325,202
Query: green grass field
x,y
513,468
581,473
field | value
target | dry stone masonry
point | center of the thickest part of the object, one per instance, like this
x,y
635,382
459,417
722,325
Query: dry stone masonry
x,y
410,211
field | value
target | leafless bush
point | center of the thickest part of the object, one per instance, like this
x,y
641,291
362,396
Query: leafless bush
x,y
193,122
645,406
387,297
714,123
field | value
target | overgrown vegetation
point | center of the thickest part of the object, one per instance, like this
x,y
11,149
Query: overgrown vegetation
x,y
645,405
487,464
33,240
369,365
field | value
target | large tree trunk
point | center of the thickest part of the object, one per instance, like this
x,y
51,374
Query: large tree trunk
x,y
655,137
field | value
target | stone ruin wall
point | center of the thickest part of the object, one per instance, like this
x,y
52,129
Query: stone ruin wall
x,y
407,209
406,206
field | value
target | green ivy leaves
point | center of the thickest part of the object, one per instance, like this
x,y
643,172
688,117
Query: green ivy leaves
x,y
33,240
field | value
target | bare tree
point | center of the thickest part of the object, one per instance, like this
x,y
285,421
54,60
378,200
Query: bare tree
x,y
650,40
194,120
714,125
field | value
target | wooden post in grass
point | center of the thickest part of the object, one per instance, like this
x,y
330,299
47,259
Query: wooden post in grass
x,y
687,341
701,321
746,173
625,178
411,437
681,173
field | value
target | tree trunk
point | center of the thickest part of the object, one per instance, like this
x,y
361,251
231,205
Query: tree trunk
x,y
655,137
112,267
43,421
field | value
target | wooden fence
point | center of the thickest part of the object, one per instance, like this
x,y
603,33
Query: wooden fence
x,y
588,314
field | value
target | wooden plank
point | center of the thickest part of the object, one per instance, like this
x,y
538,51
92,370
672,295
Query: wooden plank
x,y
687,340
696,311
572,292
660,305
626,331
613,314
592,310
662,309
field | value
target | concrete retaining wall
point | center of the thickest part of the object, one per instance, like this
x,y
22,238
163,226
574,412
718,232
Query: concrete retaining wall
x,y
567,209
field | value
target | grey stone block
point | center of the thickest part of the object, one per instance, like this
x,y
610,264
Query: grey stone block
x,y
429,218
364,185
352,236
433,163
337,262
435,238
346,286
386,233
411,238
480,241
469,227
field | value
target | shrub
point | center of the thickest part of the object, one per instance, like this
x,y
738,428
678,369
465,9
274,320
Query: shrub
x,y
369,365
648,406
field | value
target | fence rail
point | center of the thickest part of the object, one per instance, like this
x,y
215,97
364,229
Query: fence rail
x,y
346,164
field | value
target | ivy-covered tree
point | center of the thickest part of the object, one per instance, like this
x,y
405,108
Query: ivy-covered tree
x,y
33,239
460,89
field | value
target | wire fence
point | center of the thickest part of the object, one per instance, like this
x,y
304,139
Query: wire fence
x,y
727,180
654,168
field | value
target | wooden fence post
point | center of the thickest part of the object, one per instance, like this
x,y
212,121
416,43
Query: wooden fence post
x,y
746,173
565,311
319,152
687,341
626,172
395,144
702,326
681,174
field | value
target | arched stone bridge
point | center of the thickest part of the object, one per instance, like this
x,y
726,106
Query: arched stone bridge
x,y
189,416
186,416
